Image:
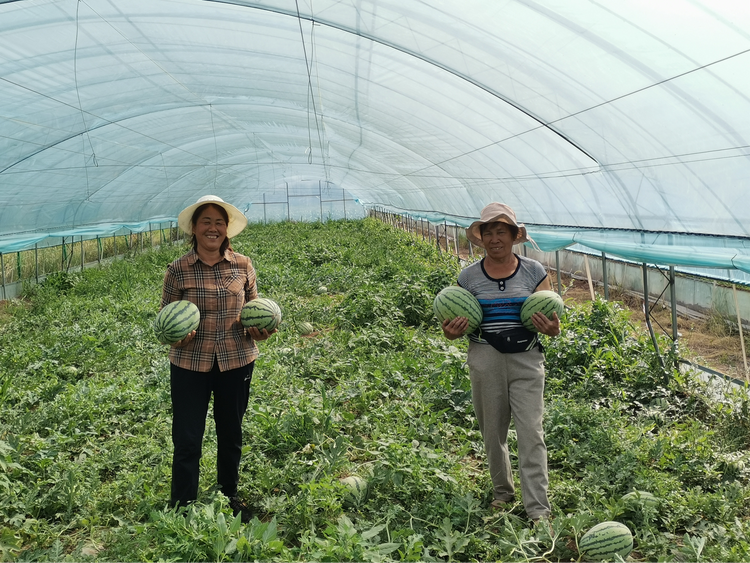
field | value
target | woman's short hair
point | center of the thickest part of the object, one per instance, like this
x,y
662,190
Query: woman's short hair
x,y
512,228
194,220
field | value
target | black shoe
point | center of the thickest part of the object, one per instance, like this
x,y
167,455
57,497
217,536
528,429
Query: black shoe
x,y
239,507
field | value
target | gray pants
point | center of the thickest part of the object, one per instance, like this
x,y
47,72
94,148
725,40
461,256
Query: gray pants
x,y
505,385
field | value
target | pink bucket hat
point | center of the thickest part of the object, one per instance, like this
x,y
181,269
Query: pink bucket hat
x,y
493,213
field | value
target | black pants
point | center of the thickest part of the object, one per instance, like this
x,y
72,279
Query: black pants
x,y
191,393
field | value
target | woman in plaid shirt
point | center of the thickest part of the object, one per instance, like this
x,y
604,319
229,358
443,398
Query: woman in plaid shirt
x,y
217,358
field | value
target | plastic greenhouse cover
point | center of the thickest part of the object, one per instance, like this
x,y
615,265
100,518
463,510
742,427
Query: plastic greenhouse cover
x,y
621,126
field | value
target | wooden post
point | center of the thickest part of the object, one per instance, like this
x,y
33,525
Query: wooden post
x,y
588,276
557,265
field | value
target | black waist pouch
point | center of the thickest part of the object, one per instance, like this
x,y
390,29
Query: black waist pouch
x,y
512,341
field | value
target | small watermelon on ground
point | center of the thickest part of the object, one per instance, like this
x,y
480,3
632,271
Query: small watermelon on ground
x,y
176,320
605,541
454,301
643,498
546,302
305,328
356,490
262,313
322,289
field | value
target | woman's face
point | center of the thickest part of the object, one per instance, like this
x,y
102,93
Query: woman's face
x,y
498,240
210,229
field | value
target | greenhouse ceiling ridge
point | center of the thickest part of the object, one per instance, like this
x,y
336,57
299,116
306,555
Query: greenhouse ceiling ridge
x,y
600,124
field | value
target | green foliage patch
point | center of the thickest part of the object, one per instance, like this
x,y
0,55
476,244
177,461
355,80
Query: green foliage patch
x,y
85,446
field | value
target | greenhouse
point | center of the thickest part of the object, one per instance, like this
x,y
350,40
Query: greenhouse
x,y
360,138
619,128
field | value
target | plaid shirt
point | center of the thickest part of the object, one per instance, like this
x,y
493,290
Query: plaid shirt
x,y
219,291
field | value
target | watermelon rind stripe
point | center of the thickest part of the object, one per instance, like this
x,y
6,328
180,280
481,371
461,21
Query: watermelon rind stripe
x,y
176,320
261,313
546,302
606,540
454,301
180,319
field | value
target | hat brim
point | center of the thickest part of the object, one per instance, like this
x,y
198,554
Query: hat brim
x,y
237,219
474,234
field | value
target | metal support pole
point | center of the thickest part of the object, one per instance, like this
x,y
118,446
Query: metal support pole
x,y
437,237
82,253
2,268
557,266
100,249
742,336
604,276
673,300
343,198
647,311
36,262
18,265
320,196
455,240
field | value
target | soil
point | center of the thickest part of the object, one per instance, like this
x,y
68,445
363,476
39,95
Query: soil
x,y
708,341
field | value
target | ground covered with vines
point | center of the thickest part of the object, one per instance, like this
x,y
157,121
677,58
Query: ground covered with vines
x,y
85,448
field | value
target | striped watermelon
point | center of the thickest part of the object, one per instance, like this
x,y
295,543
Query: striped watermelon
x,y
454,301
306,328
261,313
606,540
176,320
356,490
643,498
545,301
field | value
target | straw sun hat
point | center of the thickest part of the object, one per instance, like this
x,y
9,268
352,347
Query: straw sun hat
x,y
493,213
237,219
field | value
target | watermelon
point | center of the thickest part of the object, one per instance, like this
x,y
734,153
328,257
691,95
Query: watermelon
x,y
322,289
176,320
454,301
544,301
261,313
306,328
356,490
605,541
643,498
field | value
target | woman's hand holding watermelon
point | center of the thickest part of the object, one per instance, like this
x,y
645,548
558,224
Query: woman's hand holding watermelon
x,y
455,328
550,327
184,342
259,335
